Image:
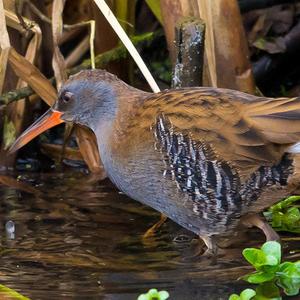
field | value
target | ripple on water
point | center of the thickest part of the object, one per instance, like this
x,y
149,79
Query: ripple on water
x,y
81,240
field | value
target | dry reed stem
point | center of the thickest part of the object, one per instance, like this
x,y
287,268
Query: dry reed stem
x,y
5,46
44,89
205,12
85,139
227,50
54,151
78,52
32,75
102,60
108,14
88,147
18,109
58,62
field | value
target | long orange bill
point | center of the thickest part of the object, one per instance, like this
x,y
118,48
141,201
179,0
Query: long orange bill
x,y
48,120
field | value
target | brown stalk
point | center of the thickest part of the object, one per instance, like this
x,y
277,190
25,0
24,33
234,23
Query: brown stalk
x,y
5,46
17,109
87,144
171,13
27,72
101,60
19,185
227,42
14,117
210,52
54,151
58,62
31,74
85,139
77,53
8,128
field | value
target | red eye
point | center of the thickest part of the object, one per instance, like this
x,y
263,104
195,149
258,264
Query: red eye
x,y
67,97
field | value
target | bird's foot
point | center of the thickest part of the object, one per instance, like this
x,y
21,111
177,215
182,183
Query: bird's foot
x,y
97,176
208,250
153,229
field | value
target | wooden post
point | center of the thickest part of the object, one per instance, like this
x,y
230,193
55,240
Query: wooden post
x,y
190,36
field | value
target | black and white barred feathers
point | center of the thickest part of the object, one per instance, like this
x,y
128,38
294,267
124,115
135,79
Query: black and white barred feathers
x,y
213,184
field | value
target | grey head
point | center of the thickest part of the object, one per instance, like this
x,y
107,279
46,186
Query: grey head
x,y
89,98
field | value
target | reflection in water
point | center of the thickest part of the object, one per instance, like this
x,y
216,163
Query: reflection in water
x,y
80,240
10,229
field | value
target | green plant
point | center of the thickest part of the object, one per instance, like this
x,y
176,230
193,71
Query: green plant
x,y
270,274
267,291
285,215
246,294
155,7
265,260
8,293
153,294
289,277
264,291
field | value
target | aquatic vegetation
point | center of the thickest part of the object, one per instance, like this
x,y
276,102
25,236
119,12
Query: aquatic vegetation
x,y
271,274
285,215
8,293
246,294
154,294
265,291
265,260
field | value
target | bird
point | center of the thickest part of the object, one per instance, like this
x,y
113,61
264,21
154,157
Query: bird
x,y
210,159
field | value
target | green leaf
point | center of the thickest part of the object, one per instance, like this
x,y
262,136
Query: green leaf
x,y
155,8
267,291
13,295
259,277
153,294
255,257
163,295
284,203
292,215
272,249
270,273
246,294
289,277
265,260
285,215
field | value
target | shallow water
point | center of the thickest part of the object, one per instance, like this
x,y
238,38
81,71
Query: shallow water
x,y
75,239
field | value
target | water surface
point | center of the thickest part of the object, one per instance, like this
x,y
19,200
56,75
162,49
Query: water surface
x,y
76,239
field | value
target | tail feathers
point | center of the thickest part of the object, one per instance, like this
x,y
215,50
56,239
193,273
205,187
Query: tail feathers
x,y
277,119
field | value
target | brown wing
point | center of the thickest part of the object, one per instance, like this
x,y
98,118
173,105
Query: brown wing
x,y
244,130
277,119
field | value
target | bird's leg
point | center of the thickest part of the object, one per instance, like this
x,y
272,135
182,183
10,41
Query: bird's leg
x,y
211,244
151,231
257,221
211,251
97,176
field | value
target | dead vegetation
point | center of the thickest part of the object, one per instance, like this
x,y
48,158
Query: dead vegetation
x,y
42,42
